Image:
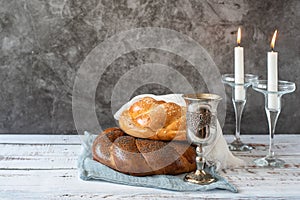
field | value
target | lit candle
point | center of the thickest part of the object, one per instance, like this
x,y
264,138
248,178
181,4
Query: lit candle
x,y
239,69
273,75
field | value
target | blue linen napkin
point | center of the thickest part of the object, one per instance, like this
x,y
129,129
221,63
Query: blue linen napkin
x,y
93,170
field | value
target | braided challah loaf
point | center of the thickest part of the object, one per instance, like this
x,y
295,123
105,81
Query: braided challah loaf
x,y
156,120
141,157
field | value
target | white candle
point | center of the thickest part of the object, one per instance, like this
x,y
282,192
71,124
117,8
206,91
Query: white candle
x,y
239,92
273,76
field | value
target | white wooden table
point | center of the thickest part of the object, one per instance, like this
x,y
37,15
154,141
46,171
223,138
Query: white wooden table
x,y
44,167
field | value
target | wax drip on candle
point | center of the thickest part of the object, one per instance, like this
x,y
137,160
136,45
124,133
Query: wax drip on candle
x,y
273,40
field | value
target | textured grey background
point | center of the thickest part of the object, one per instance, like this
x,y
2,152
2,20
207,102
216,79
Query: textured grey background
x,y
43,44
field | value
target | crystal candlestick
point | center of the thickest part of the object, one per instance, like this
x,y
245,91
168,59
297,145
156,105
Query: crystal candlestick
x,y
239,100
272,108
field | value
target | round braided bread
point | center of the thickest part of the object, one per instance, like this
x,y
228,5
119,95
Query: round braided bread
x,y
156,120
141,157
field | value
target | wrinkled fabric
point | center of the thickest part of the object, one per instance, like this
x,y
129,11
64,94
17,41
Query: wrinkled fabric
x,y
93,170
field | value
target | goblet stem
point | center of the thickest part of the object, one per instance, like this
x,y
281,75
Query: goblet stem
x,y
200,160
238,109
272,116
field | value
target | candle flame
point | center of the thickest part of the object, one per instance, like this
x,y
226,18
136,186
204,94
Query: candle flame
x,y
273,40
239,35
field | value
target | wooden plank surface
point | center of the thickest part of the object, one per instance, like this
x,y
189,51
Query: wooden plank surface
x,y
60,183
39,139
43,168
76,139
48,156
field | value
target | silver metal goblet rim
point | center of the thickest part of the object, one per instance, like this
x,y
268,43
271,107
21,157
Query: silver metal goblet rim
x,y
202,96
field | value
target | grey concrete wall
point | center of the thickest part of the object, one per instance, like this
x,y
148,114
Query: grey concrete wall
x,y
43,44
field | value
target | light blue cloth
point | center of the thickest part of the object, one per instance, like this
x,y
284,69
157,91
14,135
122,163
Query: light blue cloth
x,y
93,170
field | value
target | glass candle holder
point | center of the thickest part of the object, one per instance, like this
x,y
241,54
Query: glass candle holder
x,y
201,125
272,108
239,99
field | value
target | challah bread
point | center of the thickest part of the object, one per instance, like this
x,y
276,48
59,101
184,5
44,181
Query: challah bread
x,y
141,157
156,120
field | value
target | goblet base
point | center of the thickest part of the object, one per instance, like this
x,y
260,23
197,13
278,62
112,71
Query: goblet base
x,y
269,161
238,145
200,177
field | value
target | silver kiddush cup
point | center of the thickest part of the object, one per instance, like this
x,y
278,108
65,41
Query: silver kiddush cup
x,y
201,123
